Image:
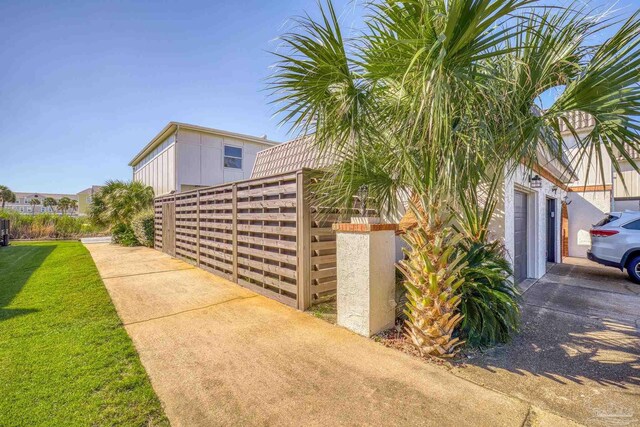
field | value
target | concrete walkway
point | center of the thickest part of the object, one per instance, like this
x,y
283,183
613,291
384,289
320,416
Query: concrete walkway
x,y
218,354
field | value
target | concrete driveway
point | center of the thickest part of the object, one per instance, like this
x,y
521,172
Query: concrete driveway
x,y
579,350
218,354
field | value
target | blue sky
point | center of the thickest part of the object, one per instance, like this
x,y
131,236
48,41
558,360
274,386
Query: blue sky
x,y
85,85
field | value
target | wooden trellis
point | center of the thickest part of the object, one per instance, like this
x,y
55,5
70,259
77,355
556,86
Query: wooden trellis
x,y
264,234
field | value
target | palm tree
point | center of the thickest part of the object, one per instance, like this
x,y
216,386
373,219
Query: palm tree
x,y
6,195
118,201
64,204
49,202
34,202
73,205
436,98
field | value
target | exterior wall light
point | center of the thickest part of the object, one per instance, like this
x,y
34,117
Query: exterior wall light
x,y
535,181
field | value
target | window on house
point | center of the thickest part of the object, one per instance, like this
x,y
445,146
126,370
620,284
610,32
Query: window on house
x,y
232,157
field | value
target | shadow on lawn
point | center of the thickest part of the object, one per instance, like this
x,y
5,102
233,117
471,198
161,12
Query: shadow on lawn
x,y
17,264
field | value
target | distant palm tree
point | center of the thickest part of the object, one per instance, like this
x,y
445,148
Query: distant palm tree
x,y
6,195
34,202
49,202
64,204
73,205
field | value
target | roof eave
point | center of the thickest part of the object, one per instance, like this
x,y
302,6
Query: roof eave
x,y
173,126
166,131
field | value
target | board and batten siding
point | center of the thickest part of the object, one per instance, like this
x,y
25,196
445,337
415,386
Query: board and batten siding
x,y
190,158
200,159
630,178
158,168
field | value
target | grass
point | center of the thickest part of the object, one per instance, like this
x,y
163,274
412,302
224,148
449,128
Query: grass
x,y
65,358
326,310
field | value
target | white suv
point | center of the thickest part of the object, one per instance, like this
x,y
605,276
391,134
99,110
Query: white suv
x,y
615,242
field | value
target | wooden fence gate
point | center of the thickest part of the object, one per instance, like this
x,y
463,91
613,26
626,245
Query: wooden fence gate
x,y
264,234
168,227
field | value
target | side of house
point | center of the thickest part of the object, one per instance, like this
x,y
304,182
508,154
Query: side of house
x,y
183,157
528,217
85,198
598,188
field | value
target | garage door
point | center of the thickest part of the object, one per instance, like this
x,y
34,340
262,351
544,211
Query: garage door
x,y
520,237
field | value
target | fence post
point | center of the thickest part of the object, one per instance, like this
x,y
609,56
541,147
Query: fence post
x,y
198,228
303,232
234,230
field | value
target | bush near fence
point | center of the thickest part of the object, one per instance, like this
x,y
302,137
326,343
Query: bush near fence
x,y
50,226
143,226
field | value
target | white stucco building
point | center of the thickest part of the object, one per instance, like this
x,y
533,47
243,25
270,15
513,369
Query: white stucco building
x,y
528,217
597,190
183,157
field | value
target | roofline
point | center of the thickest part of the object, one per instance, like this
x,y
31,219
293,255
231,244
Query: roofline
x,y
173,126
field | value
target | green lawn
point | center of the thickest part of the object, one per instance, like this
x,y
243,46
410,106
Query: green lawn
x,y
65,358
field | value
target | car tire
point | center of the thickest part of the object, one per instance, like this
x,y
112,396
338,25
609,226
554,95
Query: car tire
x,y
633,269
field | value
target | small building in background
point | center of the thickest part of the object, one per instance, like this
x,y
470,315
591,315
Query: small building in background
x,y
183,157
85,197
24,203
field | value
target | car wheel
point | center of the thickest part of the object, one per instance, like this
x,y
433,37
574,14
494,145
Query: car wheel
x,y
633,269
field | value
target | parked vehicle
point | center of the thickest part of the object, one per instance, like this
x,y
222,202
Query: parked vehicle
x,y
615,242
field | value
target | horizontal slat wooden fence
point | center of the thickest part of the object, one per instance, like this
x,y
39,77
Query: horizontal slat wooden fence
x,y
264,234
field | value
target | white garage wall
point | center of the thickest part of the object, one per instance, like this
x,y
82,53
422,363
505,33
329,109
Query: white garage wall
x,y
503,226
586,209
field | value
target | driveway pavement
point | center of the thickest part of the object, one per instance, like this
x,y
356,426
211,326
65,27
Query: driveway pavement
x,y
579,350
218,354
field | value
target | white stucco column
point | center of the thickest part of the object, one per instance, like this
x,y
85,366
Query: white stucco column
x,y
366,276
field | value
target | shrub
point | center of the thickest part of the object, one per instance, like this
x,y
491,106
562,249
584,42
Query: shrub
x,y
49,226
489,299
142,224
118,202
123,235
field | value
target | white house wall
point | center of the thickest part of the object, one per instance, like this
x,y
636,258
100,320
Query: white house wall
x,y
503,225
586,209
588,174
630,178
159,172
200,158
